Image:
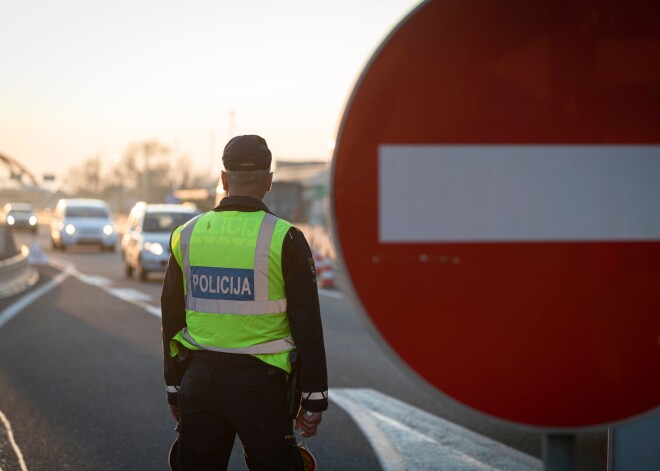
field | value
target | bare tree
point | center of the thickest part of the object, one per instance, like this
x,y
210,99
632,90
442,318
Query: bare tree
x,y
147,171
143,174
86,179
150,162
184,177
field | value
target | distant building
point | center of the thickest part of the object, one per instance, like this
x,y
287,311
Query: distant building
x,y
299,191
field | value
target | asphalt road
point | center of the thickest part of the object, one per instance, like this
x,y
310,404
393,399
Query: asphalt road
x,y
81,379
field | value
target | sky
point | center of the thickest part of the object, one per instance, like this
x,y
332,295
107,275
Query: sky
x,y
80,78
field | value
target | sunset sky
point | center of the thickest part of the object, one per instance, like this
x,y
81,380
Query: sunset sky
x,y
81,78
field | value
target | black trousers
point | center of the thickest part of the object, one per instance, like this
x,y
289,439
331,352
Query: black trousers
x,y
223,395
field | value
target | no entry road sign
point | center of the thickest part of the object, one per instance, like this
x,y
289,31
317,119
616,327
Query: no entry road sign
x,y
496,204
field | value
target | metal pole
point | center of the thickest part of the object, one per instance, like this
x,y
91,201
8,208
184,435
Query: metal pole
x,y
633,445
558,452
610,448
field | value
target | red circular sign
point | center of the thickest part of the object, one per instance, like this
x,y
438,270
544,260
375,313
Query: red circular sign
x,y
495,205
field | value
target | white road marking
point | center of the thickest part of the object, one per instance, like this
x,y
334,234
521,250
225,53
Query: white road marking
x,y
388,455
405,437
138,297
10,311
128,294
5,316
99,281
457,459
12,441
153,310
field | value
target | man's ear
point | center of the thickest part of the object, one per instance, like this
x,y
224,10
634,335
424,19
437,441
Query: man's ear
x,y
269,183
225,181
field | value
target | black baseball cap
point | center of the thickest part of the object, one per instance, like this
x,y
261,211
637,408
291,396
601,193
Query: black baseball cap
x,y
246,153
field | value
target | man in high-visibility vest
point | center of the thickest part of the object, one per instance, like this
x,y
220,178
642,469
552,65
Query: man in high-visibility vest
x,y
239,304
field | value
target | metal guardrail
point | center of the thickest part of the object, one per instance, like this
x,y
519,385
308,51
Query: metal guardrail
x,y
16,274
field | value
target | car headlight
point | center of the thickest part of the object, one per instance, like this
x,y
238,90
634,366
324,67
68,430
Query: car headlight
x,y
107,229
33,220
11,220
70,229
154,247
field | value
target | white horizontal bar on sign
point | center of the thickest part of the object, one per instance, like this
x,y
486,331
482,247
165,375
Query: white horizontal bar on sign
x,y
495,193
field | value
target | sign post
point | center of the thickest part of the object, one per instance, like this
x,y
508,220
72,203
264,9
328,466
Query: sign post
x,y
496,206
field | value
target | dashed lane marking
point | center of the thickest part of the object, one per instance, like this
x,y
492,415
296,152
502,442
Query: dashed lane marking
x,y
331,293
99,281
134,296
405,437
128,294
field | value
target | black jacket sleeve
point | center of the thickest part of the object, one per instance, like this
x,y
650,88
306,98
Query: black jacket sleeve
x,y
173,312
305,319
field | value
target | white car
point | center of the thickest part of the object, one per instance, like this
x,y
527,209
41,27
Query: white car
x,y
19,216
146,241
83,222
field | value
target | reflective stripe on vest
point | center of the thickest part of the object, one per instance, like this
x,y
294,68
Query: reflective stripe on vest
x,y
261,303
274,346
184,243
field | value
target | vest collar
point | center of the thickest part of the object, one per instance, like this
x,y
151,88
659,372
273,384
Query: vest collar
x,y
241,203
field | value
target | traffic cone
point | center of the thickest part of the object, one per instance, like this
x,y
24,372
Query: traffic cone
x,y
326,273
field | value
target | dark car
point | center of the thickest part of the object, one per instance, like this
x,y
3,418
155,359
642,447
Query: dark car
x,y
19,216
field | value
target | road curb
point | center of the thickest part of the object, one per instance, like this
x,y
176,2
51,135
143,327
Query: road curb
x,y
16,274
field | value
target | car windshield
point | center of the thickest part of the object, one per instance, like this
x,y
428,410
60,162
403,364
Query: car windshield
x,y
164,222
18,207
86,212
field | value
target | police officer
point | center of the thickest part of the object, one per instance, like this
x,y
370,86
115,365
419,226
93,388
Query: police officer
x,y
240,296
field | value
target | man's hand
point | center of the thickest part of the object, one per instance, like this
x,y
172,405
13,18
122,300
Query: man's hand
x,y
308,421
174,411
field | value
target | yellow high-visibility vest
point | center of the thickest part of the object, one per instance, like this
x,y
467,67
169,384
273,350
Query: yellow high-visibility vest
x,y
233,285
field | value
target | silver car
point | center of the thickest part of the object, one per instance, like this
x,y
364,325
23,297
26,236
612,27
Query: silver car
x,y
83,222
146,241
